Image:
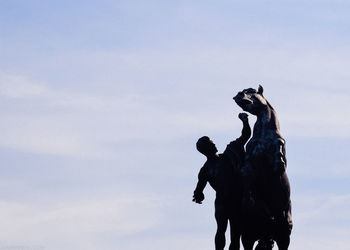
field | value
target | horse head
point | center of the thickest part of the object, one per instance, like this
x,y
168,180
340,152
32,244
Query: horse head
x,y
251,100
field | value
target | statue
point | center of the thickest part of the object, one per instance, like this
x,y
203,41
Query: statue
x,y
266,189
223,174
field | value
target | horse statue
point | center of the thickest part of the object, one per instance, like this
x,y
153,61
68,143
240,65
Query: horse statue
x,y
266,199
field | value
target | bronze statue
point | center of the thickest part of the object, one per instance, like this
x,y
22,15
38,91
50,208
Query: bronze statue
x,y
223,174
266,189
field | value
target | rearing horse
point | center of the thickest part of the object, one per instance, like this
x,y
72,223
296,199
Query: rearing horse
x,y
267,202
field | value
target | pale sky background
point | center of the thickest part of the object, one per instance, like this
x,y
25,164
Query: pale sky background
x,y
102,103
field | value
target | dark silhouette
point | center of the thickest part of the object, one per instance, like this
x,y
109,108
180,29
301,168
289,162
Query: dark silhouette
x,y
266,191
223,174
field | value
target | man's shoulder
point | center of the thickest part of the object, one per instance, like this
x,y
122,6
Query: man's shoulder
x,y
235,151
233,146
204,171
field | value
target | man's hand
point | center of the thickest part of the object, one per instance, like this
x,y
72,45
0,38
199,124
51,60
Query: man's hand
x,y
198,198
243,117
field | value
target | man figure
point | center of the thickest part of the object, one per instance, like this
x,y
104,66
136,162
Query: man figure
x,y
223,174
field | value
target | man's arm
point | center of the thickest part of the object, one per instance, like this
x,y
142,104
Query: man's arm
x,y
246,131
198,195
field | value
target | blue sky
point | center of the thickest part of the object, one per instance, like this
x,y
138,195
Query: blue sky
x,y
103,101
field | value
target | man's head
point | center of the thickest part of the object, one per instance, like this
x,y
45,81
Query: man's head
x,y
206,146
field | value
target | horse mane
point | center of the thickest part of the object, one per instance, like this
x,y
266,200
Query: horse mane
x,y
268,104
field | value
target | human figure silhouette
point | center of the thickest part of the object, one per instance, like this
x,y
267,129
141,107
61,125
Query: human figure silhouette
x,y
222,171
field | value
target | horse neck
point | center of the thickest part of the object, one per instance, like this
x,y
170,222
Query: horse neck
x,y
266,121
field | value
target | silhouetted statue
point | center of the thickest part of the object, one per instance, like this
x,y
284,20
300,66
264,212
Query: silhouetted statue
x,y
223,174
266,198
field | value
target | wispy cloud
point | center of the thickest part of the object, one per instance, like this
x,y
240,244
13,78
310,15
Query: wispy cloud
x,y
175,98
318,218
76,224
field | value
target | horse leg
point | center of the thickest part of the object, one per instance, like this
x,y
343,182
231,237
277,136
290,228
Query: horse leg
x,y
221,221
248,242
283,239
283,242
284,229
265,244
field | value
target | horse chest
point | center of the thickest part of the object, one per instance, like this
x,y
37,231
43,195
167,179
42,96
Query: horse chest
x,y
258,147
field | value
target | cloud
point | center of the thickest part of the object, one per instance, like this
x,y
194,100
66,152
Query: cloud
x,y
319,218
76,224
40,119
19,87
184,88
175,93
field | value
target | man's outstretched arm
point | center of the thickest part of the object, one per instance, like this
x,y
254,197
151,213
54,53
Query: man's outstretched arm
x,y
246,131
198,195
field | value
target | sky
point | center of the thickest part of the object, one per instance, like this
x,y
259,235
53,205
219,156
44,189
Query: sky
x,y
102,103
